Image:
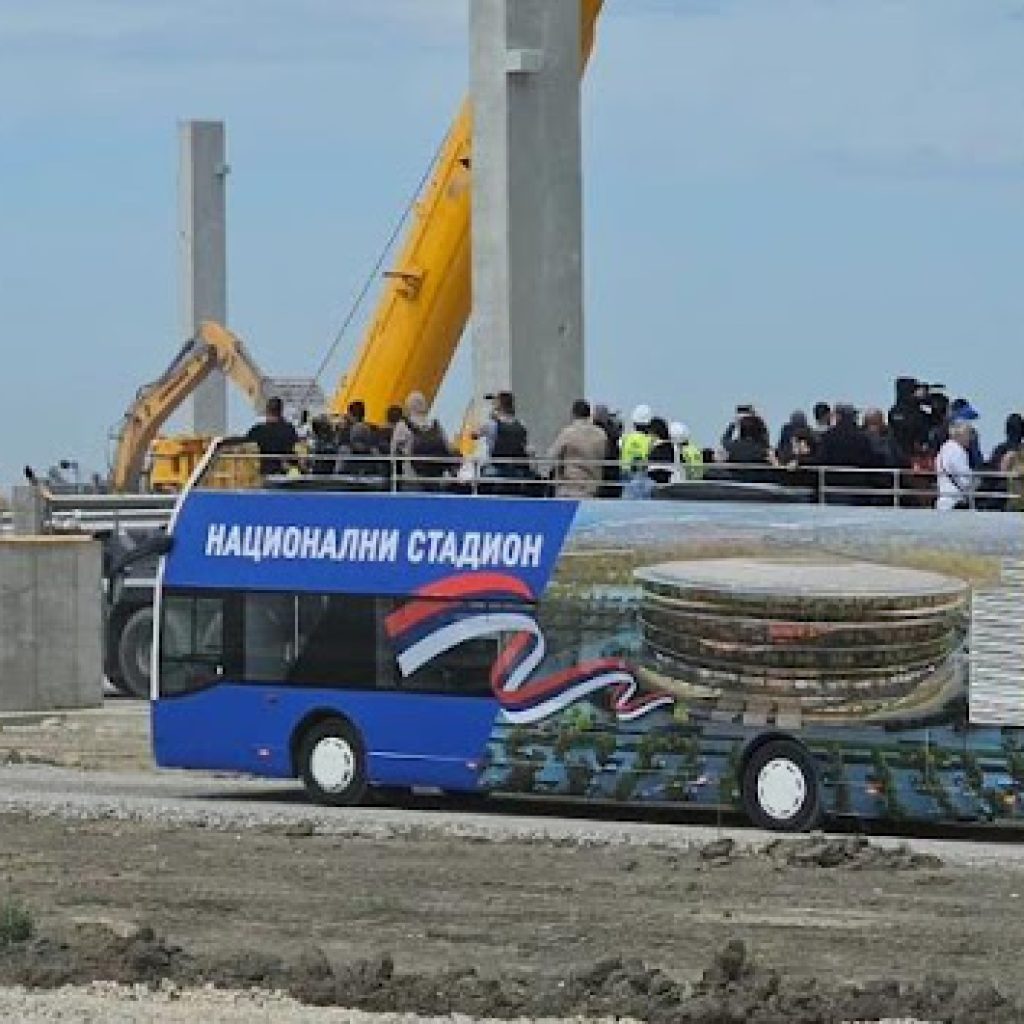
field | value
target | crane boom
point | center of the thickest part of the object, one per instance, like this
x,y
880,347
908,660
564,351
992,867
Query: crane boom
x,y
426,301
213,347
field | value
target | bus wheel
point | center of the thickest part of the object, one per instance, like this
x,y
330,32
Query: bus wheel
x,y
780,788
134,647
332,764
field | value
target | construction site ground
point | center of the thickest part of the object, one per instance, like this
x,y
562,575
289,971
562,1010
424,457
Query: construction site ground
x,y
165,896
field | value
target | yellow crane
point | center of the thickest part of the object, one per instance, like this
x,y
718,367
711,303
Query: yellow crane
x,y
425,305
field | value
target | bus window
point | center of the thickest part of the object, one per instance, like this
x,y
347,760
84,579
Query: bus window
x,y
337,643
191,643
464,668
269,640
312,640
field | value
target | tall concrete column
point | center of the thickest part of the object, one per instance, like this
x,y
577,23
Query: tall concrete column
x,y
527,206
202,218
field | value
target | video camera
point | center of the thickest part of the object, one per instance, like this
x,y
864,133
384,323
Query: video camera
x,y
919,413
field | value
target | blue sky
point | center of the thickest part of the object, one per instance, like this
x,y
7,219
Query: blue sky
x,y
786,200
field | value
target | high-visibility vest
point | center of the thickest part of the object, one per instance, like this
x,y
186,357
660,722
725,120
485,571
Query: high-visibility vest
x,y
693,459
635,447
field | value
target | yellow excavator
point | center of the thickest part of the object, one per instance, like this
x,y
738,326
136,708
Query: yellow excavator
x,y
171,460
408,345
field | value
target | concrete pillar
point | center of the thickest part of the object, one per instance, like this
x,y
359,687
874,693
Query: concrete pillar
x,y
201,192
527,207
28,510
50,623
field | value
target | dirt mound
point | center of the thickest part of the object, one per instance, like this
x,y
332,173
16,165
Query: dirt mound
x,y
823,851
733,989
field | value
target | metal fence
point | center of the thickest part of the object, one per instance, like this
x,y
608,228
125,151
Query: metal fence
x,y
826,485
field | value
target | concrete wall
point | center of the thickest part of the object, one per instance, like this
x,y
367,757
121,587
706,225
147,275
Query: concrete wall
x,y
50,623
527,207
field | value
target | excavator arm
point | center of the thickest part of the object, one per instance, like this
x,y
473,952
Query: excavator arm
x,y
213,347
426,301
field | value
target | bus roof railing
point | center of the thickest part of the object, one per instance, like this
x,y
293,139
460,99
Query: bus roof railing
x,y
240,466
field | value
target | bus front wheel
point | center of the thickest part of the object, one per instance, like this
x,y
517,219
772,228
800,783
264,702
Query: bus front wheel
x,y
780,787
332,763
134,647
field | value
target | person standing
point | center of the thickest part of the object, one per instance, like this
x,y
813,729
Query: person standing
x,y
508,456
1013,442
747,444
953,469
611,474
636,445
578,452
822,418
797,421
323,447
419,445
689,459
661,458
274,437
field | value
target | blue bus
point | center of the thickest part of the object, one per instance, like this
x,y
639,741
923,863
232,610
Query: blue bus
x,y
792,662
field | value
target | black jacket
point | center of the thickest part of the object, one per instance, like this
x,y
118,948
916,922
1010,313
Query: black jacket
x,y
847,445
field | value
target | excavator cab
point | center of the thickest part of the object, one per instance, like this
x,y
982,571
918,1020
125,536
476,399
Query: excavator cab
x,y
172,460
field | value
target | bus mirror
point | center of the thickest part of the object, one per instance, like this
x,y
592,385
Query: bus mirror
x,y
152,547
162,545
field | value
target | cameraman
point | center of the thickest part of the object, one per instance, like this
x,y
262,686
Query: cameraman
x,y
918,417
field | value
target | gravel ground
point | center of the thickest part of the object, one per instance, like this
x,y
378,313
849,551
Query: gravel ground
x,y
230,804
106,1003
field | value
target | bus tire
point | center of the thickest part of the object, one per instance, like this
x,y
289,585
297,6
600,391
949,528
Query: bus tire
x,y
780,787
332,763
134,647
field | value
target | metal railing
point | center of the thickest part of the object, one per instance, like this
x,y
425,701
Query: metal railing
x,y
541,477
537,477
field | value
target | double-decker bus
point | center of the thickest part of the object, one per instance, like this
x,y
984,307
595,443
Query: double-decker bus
x,y
792,661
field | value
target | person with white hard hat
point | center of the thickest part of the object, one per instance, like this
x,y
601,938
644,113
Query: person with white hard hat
x,y
689,458
635,446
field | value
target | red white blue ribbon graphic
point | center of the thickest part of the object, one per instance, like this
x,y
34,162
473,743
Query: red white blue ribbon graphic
x,y
467,607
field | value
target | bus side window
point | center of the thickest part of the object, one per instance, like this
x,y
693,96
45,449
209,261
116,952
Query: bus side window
x,y
464,669
268,636
337,642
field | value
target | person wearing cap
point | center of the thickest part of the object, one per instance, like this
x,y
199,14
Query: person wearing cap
x,y
577,454
636,445
507,442
689,459
961,411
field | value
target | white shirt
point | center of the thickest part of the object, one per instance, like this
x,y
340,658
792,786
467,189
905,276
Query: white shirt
x,y
953,470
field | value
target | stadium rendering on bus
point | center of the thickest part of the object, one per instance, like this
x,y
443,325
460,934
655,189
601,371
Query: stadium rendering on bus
x,y
792,661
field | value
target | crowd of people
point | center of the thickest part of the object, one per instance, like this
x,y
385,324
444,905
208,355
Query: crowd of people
x,y
925,450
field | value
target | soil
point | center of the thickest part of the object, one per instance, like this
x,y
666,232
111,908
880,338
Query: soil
x,y
806,929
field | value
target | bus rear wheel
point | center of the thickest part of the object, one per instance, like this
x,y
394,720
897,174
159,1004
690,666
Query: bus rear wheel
x,y
332,763
780,787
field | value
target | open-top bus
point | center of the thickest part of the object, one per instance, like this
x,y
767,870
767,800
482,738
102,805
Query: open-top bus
x,y
794,661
